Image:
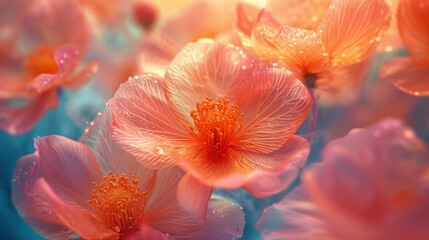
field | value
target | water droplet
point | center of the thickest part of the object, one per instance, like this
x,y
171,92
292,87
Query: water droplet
x,y
117,229
158,150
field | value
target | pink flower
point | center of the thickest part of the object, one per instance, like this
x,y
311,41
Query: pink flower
x,y
221,115
411,74
61,192
41,50
327,43
372,184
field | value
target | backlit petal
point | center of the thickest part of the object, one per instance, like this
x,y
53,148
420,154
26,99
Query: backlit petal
x,y
193,196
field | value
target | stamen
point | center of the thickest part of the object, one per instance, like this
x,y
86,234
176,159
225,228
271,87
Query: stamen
x,y
41,60
216,123
118,203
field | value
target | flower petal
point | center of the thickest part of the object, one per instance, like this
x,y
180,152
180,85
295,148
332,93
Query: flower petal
x,y
207,69
294,217
19,119
143,122
35,211
413,28
60,159
193,196
247,15
274,104
225,221
406,75
351,29
265,183
145,232
300,48
74,217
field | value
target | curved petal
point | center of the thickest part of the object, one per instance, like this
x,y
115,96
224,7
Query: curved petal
x,y
35,211
143,122
274,104
247,15
193,196
413,29
81,76
265,183
294,217
351,29
163,212
59,161
406,75
19,119
206,69
224,221
300,48
74,217
145,232
305,14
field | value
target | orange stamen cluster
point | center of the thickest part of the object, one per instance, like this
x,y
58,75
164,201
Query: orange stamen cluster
x,y
216,123
41,60
118,203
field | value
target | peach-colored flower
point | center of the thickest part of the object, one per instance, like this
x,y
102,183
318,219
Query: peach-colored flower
x,y
41,50
411,74
371,184
327,43
221,115
61,192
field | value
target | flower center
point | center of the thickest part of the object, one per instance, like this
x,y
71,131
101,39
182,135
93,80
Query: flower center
x,y
216,123
118,203
41,60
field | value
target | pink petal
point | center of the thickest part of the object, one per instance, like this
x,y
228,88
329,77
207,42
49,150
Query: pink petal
x,y
305,14
145,232
19,119
143,122
247,15
351,29
36,212
224,221
406,75
207,69
300,48
82,76
59,161
110,156
193,196
412,18
74,217
274,104
294,217
269,182
164,213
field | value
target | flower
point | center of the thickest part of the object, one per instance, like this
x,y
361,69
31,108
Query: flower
x,y
224,117
61,192
327,43
411,74
372,184
41,51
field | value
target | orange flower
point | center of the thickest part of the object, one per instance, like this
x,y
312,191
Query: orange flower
x,y
327,43
224,117
96,190
411,74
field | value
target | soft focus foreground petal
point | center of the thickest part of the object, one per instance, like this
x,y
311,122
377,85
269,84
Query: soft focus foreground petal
x,y
391,40
265,183
80,77
224,221
69,168
19,119
145,232
369,178
294,217
274,104
406,75
143,122
73,216
413,28
300,48
305,14
351,29
207,69
163,212
110,156
247,15
193,196
34,209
